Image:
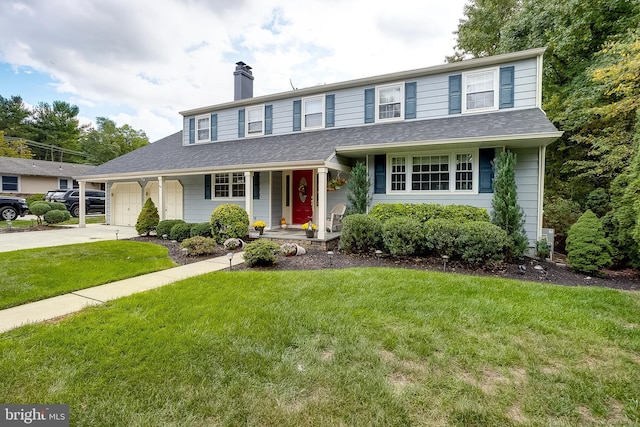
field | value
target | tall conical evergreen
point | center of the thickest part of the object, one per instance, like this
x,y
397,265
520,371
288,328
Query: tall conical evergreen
x,y
507,213
148,219
358,189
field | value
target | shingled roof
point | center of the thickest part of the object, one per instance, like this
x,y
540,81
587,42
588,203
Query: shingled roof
x,y
29,167
169,155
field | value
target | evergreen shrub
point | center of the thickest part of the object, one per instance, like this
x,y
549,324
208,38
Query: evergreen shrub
x,y
402,236
201,229
164,227
361,233
180,231
587,248
199,245
55,216
441,236
481,241
148,218
229,221
425,211
261,253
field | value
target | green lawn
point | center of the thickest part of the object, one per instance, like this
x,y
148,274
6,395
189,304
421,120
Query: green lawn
x,y
26,223
359,347
34,274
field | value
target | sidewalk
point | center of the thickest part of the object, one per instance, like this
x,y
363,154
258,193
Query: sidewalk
x,y
75,301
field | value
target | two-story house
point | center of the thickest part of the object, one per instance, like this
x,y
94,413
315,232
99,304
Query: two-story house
x,y
426,135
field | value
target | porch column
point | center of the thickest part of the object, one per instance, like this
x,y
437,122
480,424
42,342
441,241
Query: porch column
x,y
248,195
161,199
82,223
322,203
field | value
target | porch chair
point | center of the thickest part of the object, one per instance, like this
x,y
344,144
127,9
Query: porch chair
x,y
334,219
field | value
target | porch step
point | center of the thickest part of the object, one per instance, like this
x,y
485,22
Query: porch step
x,y
330,243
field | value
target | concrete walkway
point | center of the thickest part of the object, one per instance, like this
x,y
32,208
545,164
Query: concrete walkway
x,y
75,301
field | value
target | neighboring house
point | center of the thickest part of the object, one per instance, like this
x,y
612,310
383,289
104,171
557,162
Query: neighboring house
x,y
27,176
427,136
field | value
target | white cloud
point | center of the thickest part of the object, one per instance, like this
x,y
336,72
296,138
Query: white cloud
x,y
158,57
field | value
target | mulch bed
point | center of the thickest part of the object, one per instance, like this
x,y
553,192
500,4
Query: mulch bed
x,y
534,271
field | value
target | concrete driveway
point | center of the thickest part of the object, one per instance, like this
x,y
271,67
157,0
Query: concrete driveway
x,y
63,235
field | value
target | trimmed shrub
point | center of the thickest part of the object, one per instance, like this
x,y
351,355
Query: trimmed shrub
x,y
56,216
148,218
425,211
34,198
201,229
402,236
57,206
229,221
481,241
39,209
261,253
199,245
361,233
164,227
441,236
180,231
587,248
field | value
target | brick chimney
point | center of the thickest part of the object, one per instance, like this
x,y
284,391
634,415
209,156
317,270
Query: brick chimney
x,y
243,82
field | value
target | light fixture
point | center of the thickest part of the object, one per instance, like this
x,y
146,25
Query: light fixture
x,y
117,231
330,255
378,255
9,224
165,236
445,259
230,256
185,251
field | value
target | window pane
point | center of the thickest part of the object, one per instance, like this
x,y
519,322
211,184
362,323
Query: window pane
x,y
480,90
312,106
221,188
202,126
255,127
389,102
237,186
438,177
389,95
464,172
313,120
398,174
9,183
254,120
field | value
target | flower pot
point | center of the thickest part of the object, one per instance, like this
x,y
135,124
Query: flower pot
x,y
283,226
310,233
260,229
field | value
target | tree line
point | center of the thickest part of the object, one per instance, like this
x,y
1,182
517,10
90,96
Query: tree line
x,y
53,132
591,91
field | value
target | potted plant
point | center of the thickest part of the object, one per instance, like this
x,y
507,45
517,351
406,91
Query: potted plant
x,y
259,225
310,228
336,183
283,223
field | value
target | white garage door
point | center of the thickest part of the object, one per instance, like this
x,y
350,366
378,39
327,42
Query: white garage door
x,y
173,198
126,203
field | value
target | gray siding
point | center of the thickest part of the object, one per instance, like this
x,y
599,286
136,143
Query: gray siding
x,y
276,198
196,208
432,102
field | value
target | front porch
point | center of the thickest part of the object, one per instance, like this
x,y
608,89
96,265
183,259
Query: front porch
x,y
329,242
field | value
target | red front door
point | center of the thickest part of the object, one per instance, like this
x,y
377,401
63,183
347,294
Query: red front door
x,y
302,196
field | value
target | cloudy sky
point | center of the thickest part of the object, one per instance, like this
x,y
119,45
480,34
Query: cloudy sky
x,y
140,62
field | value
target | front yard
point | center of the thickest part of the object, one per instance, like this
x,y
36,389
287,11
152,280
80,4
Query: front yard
x,y
338,347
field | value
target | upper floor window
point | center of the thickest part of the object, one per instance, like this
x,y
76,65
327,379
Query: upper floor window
x,y
255,120
313,112
480,90
203,127
390,102
9,183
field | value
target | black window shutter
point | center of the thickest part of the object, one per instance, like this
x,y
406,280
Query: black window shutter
x,y
380,174
192,130
256,186
297,115
410,96
241,123
329,111
369,105
214,127
268,119
506,87
207,187
455,94
486,157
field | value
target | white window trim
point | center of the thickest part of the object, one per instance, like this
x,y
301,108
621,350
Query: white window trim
x,y
197,134
452,172
246,121
377,103
67,187
229,187
496,90
322,111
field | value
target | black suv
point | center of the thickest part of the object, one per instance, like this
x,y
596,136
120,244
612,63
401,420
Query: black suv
x,y
94,201
12,207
